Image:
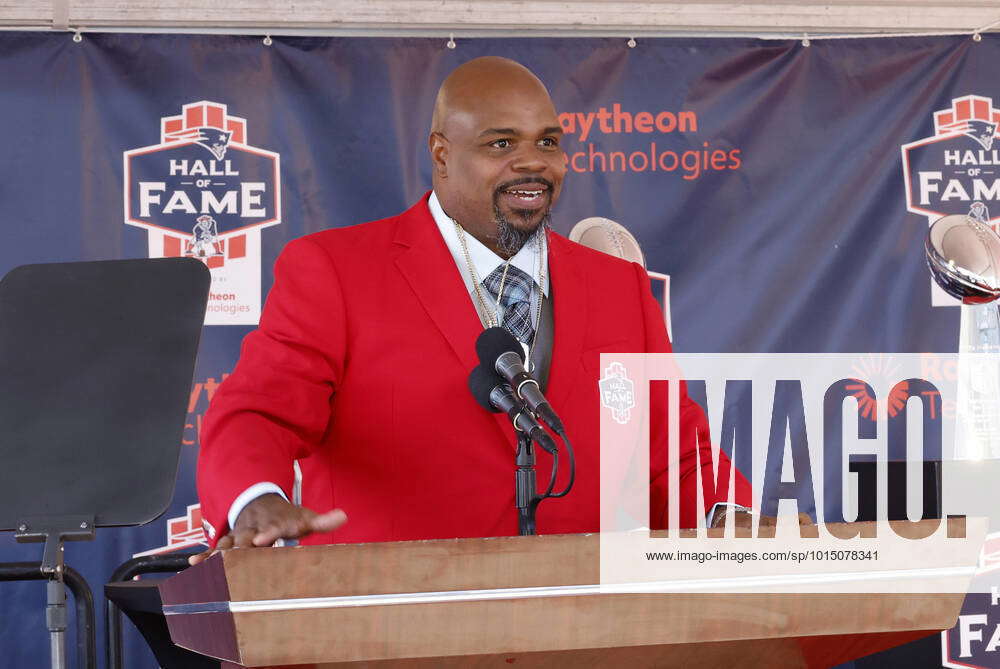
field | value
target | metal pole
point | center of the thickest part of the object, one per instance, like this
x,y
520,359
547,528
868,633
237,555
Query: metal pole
x,y
55,618
86,644
525,488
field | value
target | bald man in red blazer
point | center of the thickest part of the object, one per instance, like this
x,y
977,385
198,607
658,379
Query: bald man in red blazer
x,y
359,370
359,367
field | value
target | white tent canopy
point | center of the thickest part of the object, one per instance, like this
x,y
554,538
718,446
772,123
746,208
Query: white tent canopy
x,y
481,17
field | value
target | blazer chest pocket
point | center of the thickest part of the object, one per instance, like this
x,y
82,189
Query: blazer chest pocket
x,y
591,357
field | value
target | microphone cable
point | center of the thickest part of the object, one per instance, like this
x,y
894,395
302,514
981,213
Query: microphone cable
x,y
555,468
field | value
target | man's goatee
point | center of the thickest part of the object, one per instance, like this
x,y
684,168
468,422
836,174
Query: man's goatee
x,y
510,238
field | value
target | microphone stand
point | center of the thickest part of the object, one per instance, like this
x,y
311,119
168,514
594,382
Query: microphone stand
x,y
525,490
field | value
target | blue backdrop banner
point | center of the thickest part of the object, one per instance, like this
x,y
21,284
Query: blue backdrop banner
x,y
786,190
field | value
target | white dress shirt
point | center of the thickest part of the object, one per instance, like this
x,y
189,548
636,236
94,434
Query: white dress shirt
x,y
485,261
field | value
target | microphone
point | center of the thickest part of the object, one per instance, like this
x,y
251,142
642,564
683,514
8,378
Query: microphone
x,y
498,350
496,396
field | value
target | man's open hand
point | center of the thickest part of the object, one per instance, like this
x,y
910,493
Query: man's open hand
x,y
269,518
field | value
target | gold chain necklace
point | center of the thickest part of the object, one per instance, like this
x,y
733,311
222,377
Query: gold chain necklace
x,y
493,320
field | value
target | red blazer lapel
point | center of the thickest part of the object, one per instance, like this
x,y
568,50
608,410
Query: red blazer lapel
x,y
569,313
430,271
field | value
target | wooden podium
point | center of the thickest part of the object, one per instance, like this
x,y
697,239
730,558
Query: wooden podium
x,y
521,601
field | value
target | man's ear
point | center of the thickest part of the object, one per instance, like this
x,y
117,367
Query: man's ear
x,y
438,145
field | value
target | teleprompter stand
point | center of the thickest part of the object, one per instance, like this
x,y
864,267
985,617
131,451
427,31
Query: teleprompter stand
x,y
53,531
96,362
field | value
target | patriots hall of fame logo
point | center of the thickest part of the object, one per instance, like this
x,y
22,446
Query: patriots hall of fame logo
x,y
974,641
205,192
617,392
957,170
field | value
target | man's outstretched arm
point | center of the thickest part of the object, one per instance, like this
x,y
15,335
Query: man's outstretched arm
x,y
275,406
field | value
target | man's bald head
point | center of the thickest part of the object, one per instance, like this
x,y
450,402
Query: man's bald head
x,y
494,128
481,82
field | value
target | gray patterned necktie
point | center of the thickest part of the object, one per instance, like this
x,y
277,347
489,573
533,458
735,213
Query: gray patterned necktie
x,y
516,300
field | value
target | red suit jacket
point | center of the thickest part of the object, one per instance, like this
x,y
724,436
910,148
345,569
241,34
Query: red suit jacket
x,y
359,370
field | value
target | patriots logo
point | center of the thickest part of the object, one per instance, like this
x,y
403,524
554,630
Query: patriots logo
x,y
204,240
972,116
982,131
215,140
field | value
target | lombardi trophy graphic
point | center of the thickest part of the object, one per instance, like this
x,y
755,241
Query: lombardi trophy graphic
x,y
963,253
